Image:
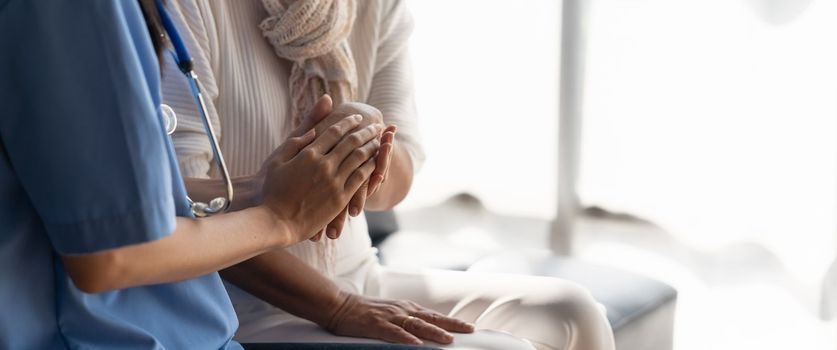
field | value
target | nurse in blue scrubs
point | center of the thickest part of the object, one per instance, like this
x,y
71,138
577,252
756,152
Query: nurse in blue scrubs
x,y
98,248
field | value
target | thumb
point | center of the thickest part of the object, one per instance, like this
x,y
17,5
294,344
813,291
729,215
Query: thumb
x,y
322,108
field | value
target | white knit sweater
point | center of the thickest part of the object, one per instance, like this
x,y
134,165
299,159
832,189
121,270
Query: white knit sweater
x,y
246,86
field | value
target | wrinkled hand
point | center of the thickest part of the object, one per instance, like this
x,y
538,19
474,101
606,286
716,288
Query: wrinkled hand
x,y
309,179
395,321
371,116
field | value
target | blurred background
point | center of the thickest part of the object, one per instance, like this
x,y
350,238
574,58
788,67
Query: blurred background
x,y
702,152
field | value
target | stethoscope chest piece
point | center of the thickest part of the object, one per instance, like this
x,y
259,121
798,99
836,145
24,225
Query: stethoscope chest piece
x,y
169,118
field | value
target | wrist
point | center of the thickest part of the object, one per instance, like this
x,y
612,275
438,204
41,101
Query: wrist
x,y
335,309
278,230
253,189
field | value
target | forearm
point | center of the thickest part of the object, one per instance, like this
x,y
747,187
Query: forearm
x,y
286,282
195,248
397,184
247,190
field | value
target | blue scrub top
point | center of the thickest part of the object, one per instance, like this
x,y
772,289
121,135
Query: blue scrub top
x,y
85,165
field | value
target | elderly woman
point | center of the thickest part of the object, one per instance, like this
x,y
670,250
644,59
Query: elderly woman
x,y
264,64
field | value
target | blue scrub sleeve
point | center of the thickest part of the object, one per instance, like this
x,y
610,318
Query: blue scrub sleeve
x,y
80,124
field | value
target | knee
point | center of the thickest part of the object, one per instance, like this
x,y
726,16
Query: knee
x,y
581,318
572,302
553,314
556,303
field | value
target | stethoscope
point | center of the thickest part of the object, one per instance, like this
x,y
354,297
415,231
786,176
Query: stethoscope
x,y
184,62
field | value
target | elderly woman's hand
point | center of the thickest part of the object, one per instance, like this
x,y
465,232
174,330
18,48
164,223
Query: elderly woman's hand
x,y
395,321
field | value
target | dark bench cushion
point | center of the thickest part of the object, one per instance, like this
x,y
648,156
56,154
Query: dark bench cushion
x,y
381,225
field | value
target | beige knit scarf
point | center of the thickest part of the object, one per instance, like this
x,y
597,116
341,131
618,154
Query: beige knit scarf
x,y
312,34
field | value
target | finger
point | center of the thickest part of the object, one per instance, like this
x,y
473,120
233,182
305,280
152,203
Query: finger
x,y
317,236
391,142
376,179
358,201
322,108
425,330
359,176
395,334
291,147
383,157
335,227
382,162
335,133
375,182
358,157
388,135
445,322
355,140
371,115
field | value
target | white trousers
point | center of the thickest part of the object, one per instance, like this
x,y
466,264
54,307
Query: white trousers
x,y
510,311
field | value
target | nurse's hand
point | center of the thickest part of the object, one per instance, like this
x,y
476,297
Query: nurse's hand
x,y
382,161
395,321
371,116
309,179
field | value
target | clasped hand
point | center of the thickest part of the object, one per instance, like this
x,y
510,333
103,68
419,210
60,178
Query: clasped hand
x,y
371,116
330,163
